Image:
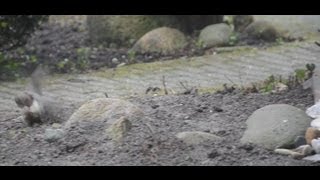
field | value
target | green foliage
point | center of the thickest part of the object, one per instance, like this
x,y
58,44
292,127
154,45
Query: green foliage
x,y
83,57
15,29
269,84
131,56
14,32
300,74
233,39
8,67
200,44
279,41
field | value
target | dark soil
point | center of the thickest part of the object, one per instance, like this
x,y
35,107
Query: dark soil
x,y
152,141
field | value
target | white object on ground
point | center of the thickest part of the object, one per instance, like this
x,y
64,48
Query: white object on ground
x,y
314,111
315,123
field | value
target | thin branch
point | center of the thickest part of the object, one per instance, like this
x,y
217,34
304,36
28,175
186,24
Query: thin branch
x,y
164,85
184,86
229,79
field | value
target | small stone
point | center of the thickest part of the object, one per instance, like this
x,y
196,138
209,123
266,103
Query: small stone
x,y
199,110
311,133
299,141
121,64
56,125
314,111
314,158
315,143
196,137
155,106
213,154
217,109
115,61
247,147
52,135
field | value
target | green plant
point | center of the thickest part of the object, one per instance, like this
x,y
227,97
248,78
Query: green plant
x,y
300,75
62,64
200,44
279,41
83,55
131,56
269,84
15,29
233,39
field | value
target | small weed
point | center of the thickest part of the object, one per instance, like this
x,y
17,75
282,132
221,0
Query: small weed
x,y
233,39
200,44
83,55
131,56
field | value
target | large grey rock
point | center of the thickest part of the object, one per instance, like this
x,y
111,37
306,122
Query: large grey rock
x,y
162,40
196,137
264,30
275,126
215,35
108,117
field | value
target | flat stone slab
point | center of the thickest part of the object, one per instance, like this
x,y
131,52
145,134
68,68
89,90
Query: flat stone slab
x,y
313,158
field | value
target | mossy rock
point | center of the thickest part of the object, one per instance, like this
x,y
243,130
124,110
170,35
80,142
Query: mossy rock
x,y
264,30
240,22
163,40
215,35
106,110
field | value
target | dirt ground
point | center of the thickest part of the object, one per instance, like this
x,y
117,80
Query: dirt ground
x,y
220,114
152,140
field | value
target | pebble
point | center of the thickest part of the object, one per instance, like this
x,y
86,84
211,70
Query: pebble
x,y
314,111
314,158
121,64
53,134
115,61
